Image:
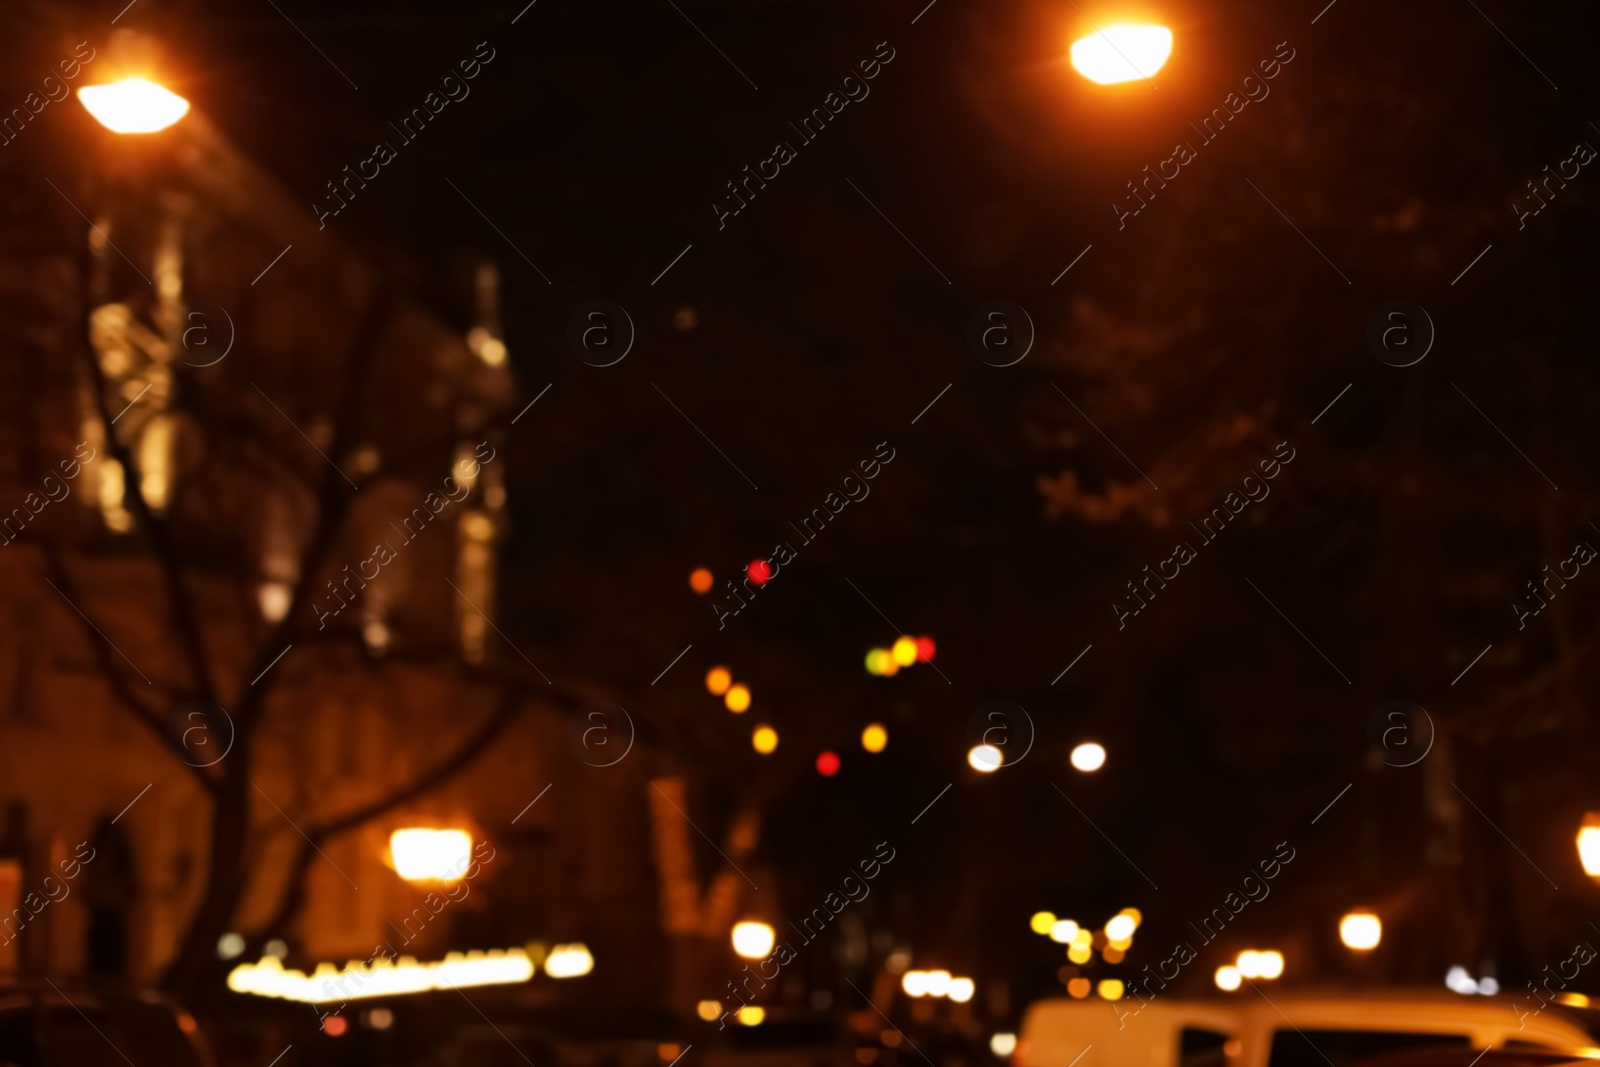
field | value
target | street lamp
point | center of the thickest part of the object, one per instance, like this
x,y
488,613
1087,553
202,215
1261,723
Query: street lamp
x,y
1589,844
753,940
133,105
1089,757
1361,930
1122,52
422,855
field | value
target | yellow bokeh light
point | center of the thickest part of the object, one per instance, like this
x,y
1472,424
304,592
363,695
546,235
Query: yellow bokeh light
x,y
1228,978
874,738
422,855
1249,964
1120,928
1361,930
1042,922
904,651
1122,52
961,990
1133,913
133,105
915,983
753,940
1066,932
709,1010
751,1015
738,699
1271,964
764,740
717,680
1080,953
1111,988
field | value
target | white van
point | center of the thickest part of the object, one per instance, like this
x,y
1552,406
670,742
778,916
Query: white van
x,y
1307,1029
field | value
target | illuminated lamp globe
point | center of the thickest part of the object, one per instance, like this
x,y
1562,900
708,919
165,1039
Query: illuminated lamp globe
x,y
1122,52
423,855
985,759
753,940
1361,930
133,105
1089,757
1589,844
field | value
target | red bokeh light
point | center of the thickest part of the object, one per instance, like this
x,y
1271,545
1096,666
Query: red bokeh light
x,y
334,1025
759,571
925,649
828,764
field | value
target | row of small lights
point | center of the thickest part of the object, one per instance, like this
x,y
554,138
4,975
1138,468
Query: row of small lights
x,y
938,984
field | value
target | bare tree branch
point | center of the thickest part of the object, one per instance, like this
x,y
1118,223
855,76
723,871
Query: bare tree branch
x,y
100,648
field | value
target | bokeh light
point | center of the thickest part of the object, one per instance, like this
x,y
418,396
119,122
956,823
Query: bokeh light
x,y
738,699
1122,52
1361,930
984,759
718,679
828,764
874,737
700,580
1088,757
764,740
133,105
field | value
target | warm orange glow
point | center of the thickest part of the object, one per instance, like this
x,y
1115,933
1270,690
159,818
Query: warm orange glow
x,y
1122,52
738,699
700,580
133,105
717,681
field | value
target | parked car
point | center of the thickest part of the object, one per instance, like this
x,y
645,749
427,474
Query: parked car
x,y
67,1025
1291,1030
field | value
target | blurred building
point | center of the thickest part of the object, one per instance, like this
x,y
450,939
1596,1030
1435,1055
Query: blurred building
x,y
263,378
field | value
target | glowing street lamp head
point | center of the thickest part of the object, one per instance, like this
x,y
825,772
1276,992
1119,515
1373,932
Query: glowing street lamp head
x,y
1589,844
133,105
1360,930
1122,52
753,940
985,759
422,855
